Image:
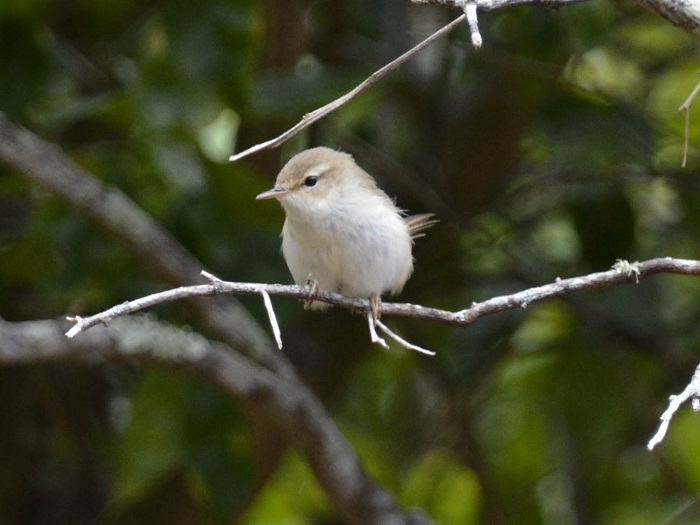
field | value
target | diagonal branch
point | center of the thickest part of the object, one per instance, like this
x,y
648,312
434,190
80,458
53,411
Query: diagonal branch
x,y
692,392
682,13
321,112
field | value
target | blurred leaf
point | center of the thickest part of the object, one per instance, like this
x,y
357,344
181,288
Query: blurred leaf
x,y
292,497
605,225
217,137
387,402
291,94
25,66
448,492
683,434
601,71
29,260
648,41
218,451
671,88
153,444
23,8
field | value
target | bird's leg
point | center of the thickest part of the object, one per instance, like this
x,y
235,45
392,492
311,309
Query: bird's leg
x,y
312,287
375,306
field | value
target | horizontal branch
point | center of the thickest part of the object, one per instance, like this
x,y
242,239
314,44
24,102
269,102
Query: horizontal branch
x,y
622,273
489,5
684,14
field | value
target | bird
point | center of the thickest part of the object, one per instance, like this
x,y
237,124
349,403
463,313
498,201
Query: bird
x,y
342,233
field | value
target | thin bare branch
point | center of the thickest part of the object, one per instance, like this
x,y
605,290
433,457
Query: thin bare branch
x,y
469,9
622,273
396,337
321,112
692,392
372,326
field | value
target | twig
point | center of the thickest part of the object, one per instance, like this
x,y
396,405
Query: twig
x,y
402,341
321,112
469,9
213,278
692,392
273,318
686,108
371,323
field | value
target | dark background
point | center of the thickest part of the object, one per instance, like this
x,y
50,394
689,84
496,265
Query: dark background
x,y
551,152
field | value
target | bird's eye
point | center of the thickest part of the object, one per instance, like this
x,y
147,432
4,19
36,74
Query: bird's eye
x,y
311,180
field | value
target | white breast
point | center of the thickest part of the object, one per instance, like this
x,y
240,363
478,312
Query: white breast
x,y
361,247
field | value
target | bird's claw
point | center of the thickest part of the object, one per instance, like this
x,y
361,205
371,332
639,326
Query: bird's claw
x,y
312,289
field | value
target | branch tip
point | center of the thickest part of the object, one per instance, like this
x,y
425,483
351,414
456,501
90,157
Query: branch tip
x,y
470,13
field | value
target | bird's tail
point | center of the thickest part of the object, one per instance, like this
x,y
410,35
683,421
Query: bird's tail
x,y
417,224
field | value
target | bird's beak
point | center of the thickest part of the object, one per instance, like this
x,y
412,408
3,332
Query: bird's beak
x,y
274,193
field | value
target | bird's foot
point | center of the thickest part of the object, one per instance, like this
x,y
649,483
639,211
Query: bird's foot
x,y
312,288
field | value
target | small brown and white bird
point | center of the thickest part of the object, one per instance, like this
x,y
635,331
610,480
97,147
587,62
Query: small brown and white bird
x,y
342,231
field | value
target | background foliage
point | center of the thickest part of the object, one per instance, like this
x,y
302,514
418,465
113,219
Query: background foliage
x,y
551,152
